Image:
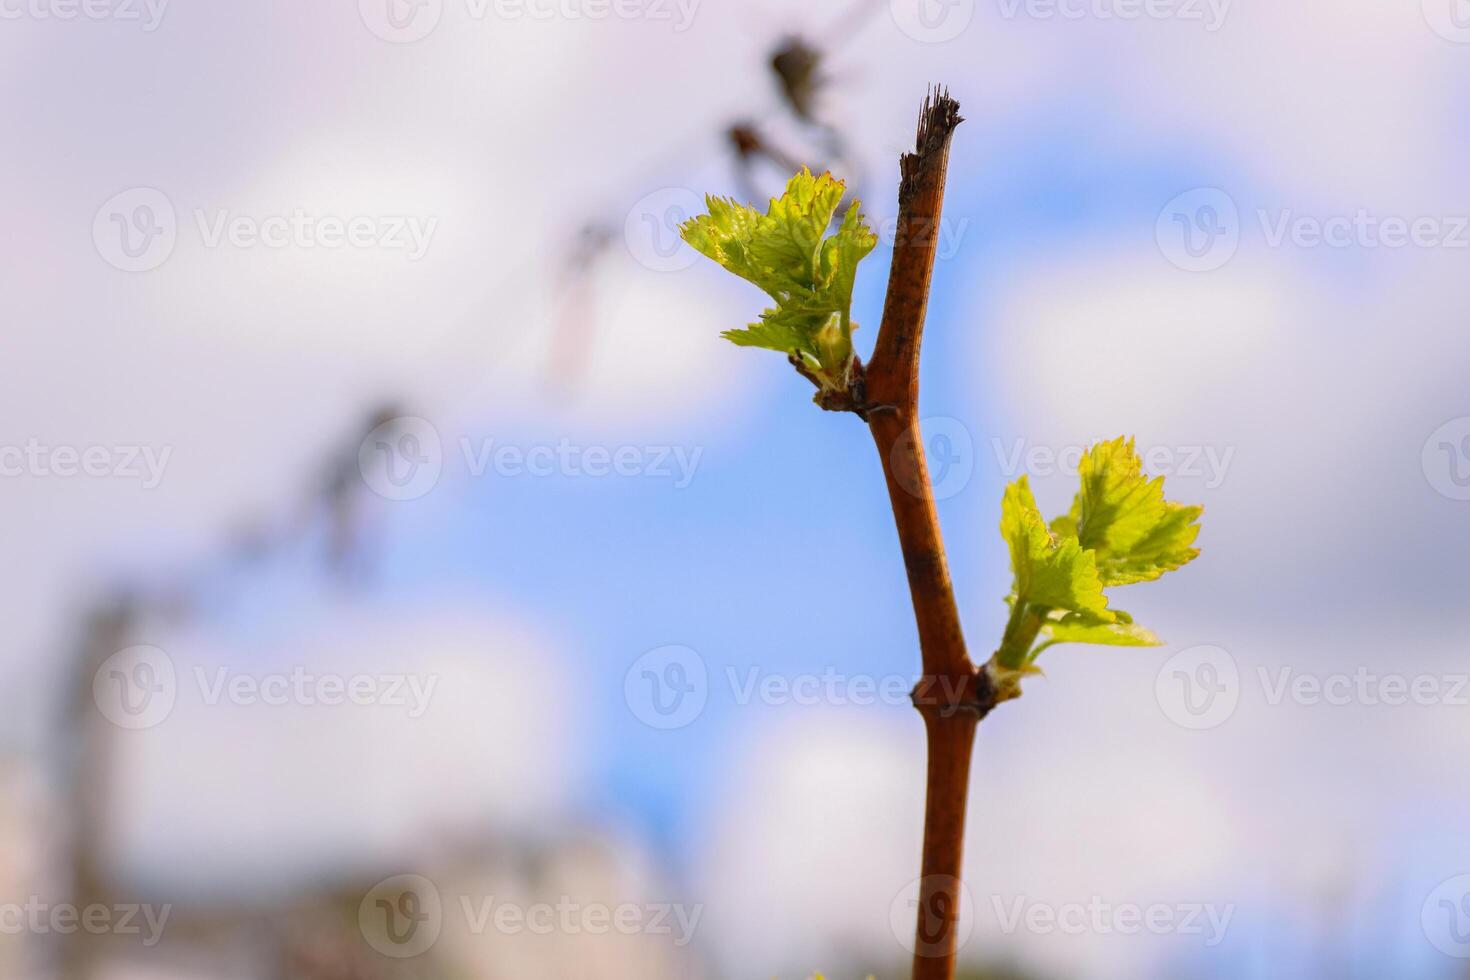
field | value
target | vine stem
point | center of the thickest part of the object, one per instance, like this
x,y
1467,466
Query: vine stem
x,y
952,696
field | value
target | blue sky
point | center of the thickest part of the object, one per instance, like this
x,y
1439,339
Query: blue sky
x,y
1326,377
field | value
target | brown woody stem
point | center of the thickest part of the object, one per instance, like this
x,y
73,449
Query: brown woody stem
x,y
952,696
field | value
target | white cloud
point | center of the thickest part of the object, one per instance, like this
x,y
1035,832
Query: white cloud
x,y
262,792
1097,342
1085,789
817,832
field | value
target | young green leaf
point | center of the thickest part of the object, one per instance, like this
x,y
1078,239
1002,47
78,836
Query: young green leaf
x,y
1080,628
809,275
1048,573
1122,515
1120,530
